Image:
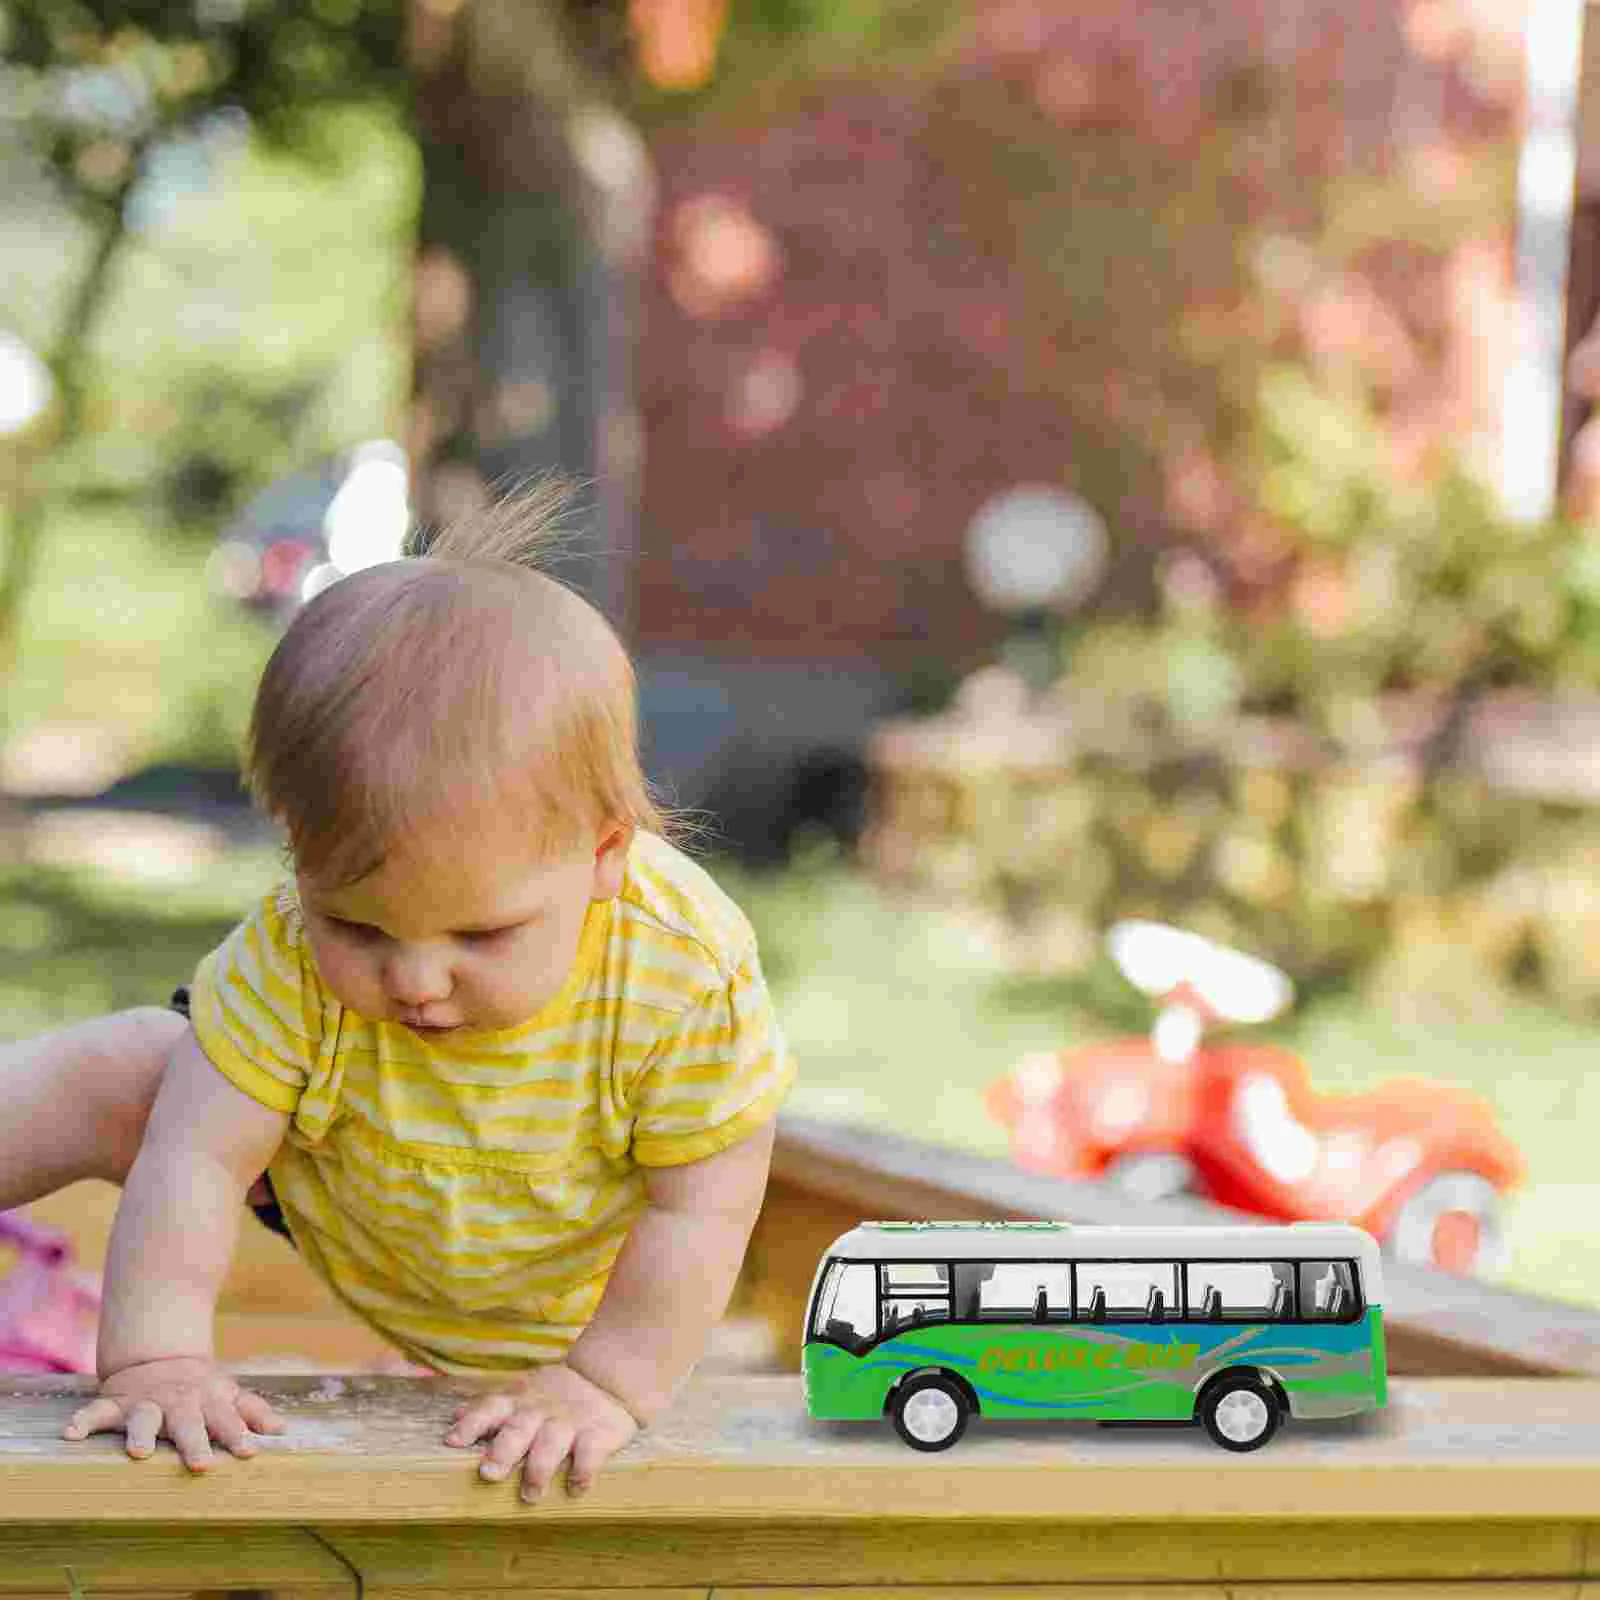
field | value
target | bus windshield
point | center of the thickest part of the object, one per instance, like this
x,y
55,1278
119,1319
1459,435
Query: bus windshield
x,y
847,1304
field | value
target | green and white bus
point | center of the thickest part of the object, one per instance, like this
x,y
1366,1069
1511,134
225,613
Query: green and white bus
x,y
1234,1328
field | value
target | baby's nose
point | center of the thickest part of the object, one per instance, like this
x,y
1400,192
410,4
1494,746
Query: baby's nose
x,y
413,978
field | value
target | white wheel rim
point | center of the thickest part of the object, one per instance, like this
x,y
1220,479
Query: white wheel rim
x,y
1411,1237
931,1416
1242,1416
1152,1176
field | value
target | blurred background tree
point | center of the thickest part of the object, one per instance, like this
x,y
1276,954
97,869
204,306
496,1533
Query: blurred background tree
x,y
107,105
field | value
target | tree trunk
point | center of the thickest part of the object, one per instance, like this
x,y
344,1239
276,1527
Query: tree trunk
x,y
536,212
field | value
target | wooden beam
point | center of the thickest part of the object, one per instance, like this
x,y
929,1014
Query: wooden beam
x,y
741,1449
150,1560
1489,1483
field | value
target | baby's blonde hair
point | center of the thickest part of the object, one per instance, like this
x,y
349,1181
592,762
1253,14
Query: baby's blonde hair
x,y
415,698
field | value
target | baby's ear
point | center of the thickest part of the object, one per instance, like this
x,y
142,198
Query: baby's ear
x,y
611,860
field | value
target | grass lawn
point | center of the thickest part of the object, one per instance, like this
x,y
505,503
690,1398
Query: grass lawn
x,y
899,1018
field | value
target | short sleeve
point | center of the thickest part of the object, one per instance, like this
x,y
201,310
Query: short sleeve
x,y
719,1074
256,1006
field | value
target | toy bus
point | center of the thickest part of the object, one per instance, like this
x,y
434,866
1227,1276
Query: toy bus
x,y
1232,1328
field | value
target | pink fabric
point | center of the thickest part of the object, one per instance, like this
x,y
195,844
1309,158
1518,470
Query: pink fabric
x,y
49,1309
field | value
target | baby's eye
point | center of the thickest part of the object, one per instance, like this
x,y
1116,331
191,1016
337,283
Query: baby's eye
x,y
488,935
361,932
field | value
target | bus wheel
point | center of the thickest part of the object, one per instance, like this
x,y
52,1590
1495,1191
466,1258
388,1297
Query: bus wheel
x,y
1240,1413
931,1412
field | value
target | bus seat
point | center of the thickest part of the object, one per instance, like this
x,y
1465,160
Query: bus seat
x,y
1097,1305
916,1315
1211,1306
1337,1302
1155,1308
1280,1299
1041,1306
844,1333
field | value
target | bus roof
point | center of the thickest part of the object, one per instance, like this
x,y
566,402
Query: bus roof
x,y
1024,1241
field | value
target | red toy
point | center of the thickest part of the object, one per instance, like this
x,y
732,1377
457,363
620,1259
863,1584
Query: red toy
x,y
1420,1165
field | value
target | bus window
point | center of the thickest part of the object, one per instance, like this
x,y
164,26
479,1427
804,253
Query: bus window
x,y
1328,1292
916,1277
915,1292
1259,1290
1127,1286
1009,1291
904,1311
847,1308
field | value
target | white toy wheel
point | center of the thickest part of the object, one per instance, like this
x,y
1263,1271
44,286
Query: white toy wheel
x,y
1240,1413
1152,1174
931,1412
1453,1222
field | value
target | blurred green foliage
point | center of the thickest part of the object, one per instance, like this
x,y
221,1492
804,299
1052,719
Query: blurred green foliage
x,y
108,109
222,361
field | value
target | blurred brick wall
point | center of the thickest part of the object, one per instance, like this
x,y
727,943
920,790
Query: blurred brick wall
x,y
833,368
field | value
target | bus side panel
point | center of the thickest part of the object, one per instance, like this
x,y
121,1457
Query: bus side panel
x,y
1330,1369
1017,1370
1111,1372
1380,1358
840,1387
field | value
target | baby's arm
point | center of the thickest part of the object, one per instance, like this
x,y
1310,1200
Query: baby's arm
x,y
671,1282
175,1232
674,1275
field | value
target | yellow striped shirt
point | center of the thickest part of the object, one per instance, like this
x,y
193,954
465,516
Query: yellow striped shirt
x,y
468,1195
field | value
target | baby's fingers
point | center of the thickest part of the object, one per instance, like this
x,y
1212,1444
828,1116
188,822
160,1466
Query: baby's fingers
x,y
101,1415
590,1451
228,1428
258,1413
546,1452
186,1428
143,1427
480,1418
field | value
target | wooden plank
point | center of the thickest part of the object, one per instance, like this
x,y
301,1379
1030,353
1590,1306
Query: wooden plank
x,y
159,1558
1514,1590
742,1449
1437,1324
959,1552
1028,1591
454,1593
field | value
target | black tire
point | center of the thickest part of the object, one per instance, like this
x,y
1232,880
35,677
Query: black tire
x,y
1240,1413
937,1419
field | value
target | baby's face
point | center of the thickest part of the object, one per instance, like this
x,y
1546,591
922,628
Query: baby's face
x,y
474,939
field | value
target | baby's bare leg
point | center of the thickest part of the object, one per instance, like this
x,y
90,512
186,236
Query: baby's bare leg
x,y
75,1101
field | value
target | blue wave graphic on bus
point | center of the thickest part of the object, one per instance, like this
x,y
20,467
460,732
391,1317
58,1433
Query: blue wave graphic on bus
x,y
925,1353
1082,1403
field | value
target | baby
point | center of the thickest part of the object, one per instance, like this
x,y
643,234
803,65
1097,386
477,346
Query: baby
x,y
500,1055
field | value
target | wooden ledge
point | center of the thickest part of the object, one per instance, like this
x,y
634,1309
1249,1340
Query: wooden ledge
x,y
741,1450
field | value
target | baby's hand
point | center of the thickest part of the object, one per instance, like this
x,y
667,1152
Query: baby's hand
x,y
187,1400
545,1417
